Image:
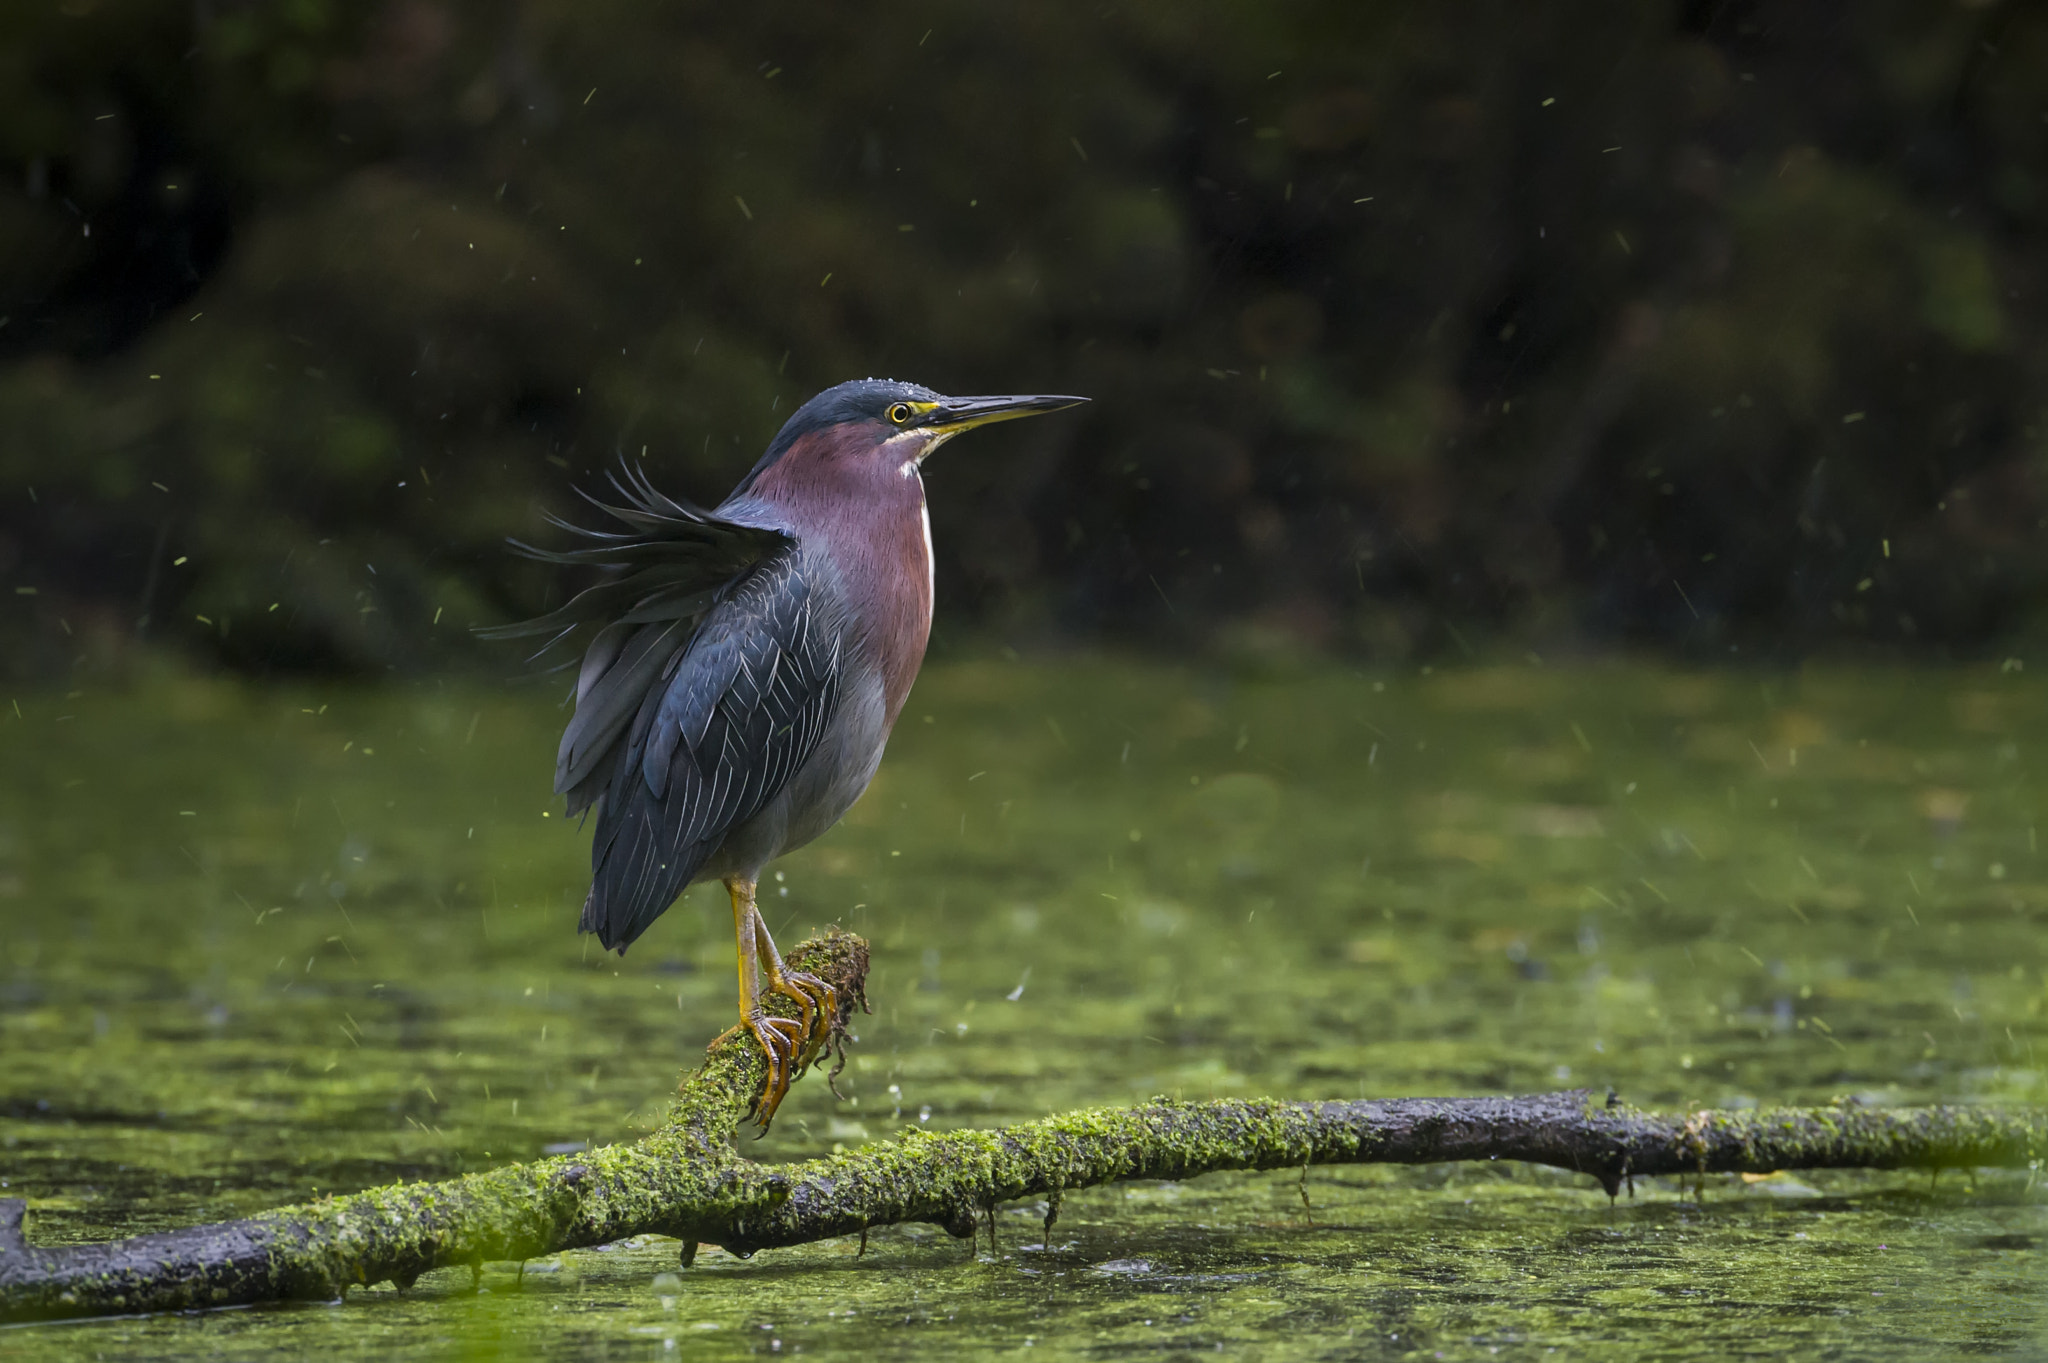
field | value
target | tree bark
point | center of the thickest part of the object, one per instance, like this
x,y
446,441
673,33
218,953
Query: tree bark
x,y
687,1181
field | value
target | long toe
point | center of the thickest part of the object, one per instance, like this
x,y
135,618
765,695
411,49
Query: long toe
x,y
782,1043
788,986
820,1004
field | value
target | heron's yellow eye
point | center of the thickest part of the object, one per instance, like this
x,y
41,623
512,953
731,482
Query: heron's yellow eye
x,y
900,413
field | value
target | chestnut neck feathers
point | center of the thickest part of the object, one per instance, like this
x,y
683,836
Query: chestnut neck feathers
x,y
840,489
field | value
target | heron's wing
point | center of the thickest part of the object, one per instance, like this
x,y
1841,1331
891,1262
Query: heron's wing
x,y
724,720
662,574
664,565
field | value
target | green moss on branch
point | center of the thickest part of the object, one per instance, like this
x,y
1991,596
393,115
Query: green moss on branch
x,y
686,1180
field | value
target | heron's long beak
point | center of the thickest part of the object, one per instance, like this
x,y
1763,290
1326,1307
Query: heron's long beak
x,y
950,416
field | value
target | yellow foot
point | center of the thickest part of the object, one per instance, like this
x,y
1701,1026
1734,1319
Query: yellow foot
x,y
820,1004
783,1041
790,1044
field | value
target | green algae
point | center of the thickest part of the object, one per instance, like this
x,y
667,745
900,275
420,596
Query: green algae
x,y
352,963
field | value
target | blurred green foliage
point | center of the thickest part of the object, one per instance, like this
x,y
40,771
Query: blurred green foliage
x,y
1709,325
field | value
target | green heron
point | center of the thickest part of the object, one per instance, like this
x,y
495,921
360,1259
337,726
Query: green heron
x,y
744,667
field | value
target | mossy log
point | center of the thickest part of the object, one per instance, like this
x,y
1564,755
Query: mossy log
x,y
687,1180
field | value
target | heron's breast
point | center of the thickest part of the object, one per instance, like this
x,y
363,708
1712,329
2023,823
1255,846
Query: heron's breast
x,y
905,617
881,572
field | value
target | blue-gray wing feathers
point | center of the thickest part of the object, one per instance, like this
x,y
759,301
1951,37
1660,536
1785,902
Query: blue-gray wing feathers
x,y
742,706
707,679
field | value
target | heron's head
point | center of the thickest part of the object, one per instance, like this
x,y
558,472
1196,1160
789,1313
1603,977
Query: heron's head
x,y
870,426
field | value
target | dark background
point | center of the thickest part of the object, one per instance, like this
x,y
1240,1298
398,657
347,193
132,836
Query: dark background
x,y
1412,329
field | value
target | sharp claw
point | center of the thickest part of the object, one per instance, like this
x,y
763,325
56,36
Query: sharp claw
x,y
820,1004
780,1040
789,1044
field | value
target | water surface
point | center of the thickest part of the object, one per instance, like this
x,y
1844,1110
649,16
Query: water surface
x,y
258,944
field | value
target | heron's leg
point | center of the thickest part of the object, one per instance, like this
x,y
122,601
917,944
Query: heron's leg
x,y
817,998
782,1039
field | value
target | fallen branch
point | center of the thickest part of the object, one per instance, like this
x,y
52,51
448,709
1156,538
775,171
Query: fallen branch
x,y
687,1181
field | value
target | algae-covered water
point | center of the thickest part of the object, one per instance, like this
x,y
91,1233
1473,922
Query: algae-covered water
x,y
259,944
